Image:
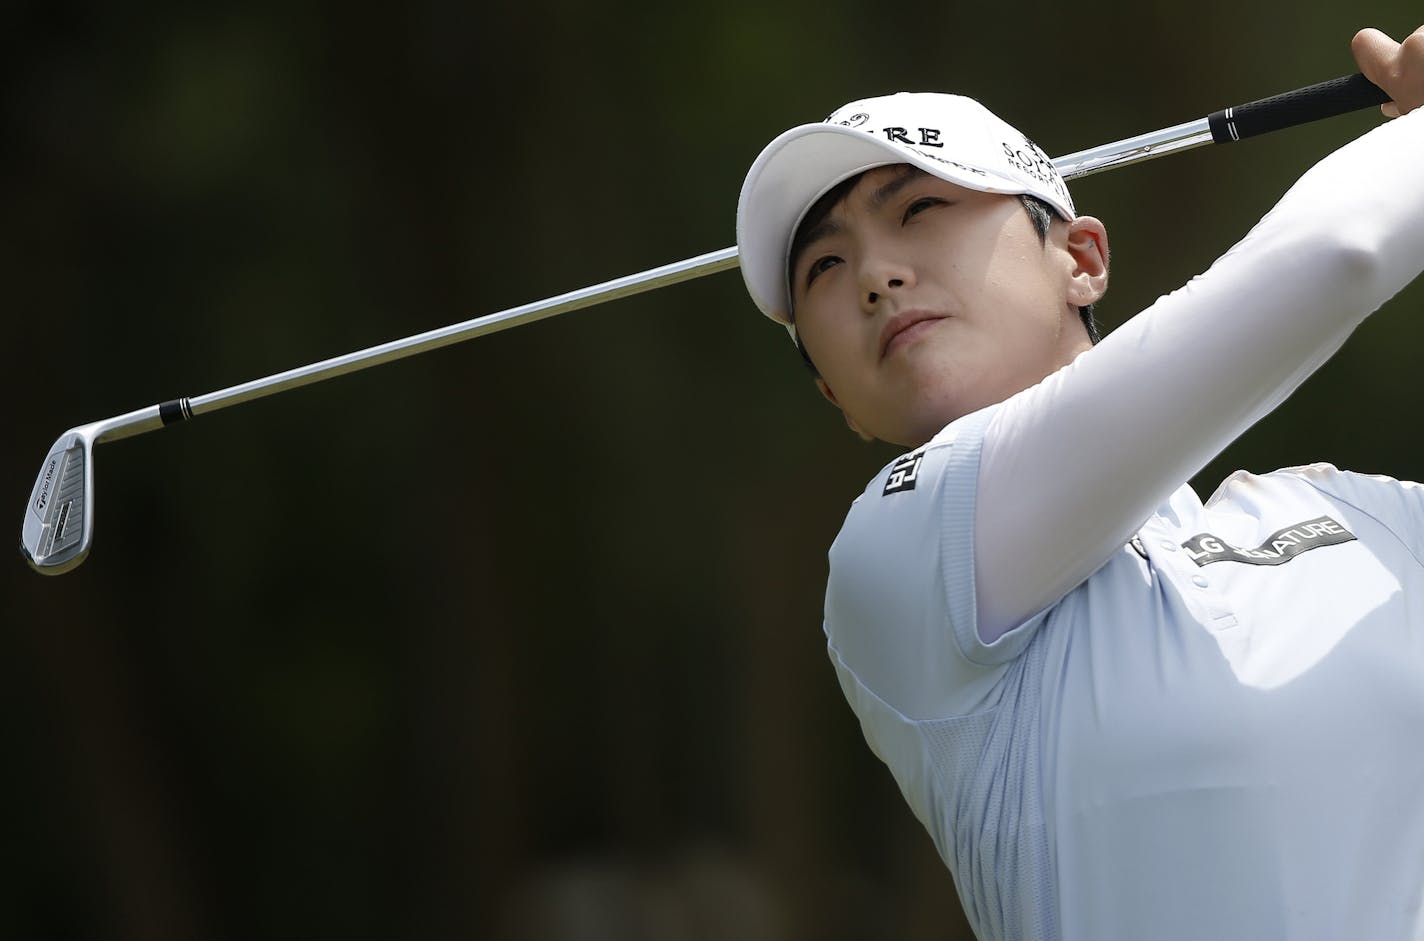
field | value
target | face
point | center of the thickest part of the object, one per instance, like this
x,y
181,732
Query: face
x,y
921,301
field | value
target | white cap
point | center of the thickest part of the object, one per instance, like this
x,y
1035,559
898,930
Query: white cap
x,y
949,136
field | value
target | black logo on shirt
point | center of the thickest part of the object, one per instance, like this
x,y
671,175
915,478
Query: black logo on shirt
x,y
1281,547
903,474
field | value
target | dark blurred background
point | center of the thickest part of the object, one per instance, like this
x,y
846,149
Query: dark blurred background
x,y
519,639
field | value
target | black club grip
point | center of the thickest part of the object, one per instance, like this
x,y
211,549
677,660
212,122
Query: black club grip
x,y
1326,100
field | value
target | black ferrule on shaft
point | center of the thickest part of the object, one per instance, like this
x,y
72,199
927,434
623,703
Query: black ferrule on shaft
x,y
1326,100
174,411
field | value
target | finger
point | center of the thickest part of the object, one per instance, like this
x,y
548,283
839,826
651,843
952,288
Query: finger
x,y
1411,51
1374,53
1390,110
1409,66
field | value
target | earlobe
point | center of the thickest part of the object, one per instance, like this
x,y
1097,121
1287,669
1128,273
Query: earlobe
x,y
1087,244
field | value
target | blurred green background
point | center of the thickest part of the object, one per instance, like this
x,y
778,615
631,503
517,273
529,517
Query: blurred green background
x,y
519,639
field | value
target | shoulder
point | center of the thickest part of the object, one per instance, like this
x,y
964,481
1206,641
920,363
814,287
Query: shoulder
x,y
1348,485
951,453
899,594
1359,500
900,515
1322,477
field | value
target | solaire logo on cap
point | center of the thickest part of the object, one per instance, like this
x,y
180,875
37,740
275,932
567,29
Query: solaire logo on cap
x,y
913,136
1029,159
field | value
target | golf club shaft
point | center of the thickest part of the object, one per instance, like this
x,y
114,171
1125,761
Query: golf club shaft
x,y
1303,105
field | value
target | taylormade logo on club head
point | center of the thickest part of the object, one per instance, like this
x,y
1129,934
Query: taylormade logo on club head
x,y
42,498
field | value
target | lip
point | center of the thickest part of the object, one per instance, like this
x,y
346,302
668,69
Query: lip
x,y
901,322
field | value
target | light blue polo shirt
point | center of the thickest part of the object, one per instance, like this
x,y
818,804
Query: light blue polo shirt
x,y
1218,734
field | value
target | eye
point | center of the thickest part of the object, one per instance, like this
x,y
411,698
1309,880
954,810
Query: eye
x,y
820,266
920,205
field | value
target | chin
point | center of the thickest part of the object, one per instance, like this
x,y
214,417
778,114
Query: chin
x,y
933,409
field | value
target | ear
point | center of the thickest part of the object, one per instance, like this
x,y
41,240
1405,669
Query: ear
x,y
1087,245
850,422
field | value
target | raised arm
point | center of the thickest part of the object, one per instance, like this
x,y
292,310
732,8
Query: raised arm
x,y
1072,467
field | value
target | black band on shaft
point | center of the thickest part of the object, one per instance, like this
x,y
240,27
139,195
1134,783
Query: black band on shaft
x,y
174,411
1326,100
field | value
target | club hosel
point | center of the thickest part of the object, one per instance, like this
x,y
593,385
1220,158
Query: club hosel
x,y
137,422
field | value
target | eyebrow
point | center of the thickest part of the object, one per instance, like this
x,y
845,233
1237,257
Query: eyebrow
x,y
882,194
823,229
887,191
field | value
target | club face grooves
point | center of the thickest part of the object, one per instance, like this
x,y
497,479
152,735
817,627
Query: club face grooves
x,y
56,531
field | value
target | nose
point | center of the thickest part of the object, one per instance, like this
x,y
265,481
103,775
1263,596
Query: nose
x,y
880,276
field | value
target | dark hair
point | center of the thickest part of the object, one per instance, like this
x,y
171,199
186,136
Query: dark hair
x,y
1040,214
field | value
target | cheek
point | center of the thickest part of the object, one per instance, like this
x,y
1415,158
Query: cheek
x,y
829,325
831,354
1023,292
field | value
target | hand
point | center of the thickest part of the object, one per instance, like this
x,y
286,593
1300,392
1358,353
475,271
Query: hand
x,y
1398,68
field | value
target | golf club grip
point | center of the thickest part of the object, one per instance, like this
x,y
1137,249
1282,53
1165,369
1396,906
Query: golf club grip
x,y
1326,100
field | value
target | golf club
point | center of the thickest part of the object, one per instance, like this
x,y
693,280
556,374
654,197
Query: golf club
x,y
59,520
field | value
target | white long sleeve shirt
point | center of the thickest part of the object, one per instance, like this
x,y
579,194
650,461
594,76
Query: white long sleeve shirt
x,y
1123,713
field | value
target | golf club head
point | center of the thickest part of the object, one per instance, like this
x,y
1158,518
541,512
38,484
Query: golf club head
x,y
59,520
